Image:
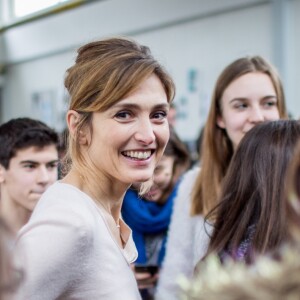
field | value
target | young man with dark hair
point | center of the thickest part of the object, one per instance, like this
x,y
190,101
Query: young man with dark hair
x,y
28,166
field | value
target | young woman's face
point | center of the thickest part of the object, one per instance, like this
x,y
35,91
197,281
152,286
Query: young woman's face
x,y
129,138
247,101
163,174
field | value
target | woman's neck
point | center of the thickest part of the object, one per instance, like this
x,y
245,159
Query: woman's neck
x,y
104,191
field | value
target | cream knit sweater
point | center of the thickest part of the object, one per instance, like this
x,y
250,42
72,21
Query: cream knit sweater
x,y
71,252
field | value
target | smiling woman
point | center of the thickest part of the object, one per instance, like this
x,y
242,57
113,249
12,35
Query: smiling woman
x,y
118,128
140,130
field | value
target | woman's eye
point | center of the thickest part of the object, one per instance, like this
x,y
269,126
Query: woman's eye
x,y
160,115
123,115
270,103
240,106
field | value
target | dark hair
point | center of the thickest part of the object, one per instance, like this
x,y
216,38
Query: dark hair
x,y
21,133
62,153
293,194
253,191
217,149
177,149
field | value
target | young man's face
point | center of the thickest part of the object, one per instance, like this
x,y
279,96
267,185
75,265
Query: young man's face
x,y
30,172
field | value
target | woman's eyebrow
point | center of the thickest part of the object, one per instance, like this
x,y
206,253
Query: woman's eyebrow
x,y
137,106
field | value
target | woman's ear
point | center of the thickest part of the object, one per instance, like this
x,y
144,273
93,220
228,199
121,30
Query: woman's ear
x,y
220,122
73,118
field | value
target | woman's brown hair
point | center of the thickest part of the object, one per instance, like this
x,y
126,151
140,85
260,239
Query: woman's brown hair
x,y
104,73
253,192
217,149
293,195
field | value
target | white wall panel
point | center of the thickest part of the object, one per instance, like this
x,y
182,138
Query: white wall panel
x,y
195,39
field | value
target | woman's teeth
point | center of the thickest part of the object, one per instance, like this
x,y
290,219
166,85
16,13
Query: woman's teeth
x,y
138,154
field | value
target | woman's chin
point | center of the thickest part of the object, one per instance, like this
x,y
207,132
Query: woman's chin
x,y
143,177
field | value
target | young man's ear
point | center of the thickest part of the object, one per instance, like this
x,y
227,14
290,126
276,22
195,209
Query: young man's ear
x,y
2,174
73,118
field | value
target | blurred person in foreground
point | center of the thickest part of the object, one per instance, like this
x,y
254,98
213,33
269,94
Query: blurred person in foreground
x,y
275,275
149,215
11,274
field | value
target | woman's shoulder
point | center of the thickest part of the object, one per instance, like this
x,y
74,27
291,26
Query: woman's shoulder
x,y
64,201
63,194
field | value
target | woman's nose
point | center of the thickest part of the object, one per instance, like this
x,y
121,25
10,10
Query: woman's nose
x,y
145,133
256,115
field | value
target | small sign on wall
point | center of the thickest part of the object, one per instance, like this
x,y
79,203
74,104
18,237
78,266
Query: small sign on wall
x,y
43,106
192,106
50,106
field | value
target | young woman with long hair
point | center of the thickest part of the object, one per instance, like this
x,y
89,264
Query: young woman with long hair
x,y
247,92
251,216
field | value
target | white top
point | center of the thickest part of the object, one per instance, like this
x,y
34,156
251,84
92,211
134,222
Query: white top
x,y
71,252
187,241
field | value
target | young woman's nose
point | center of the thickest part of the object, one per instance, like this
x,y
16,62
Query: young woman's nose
x,y
144,132
256,115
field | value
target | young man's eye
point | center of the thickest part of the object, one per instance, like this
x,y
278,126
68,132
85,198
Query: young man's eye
x,y
29,166
52,165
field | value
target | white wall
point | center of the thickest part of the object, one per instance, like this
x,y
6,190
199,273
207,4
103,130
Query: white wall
x,y
206,46
190,37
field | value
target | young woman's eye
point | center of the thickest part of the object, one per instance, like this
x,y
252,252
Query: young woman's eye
x,y
159,115
270,103
240,106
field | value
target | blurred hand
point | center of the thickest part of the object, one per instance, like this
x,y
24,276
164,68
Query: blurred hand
x,y
144,279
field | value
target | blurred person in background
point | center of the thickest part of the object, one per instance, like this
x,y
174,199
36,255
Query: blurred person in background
x,y
11,275
247,92
172,115
28,166
149,215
